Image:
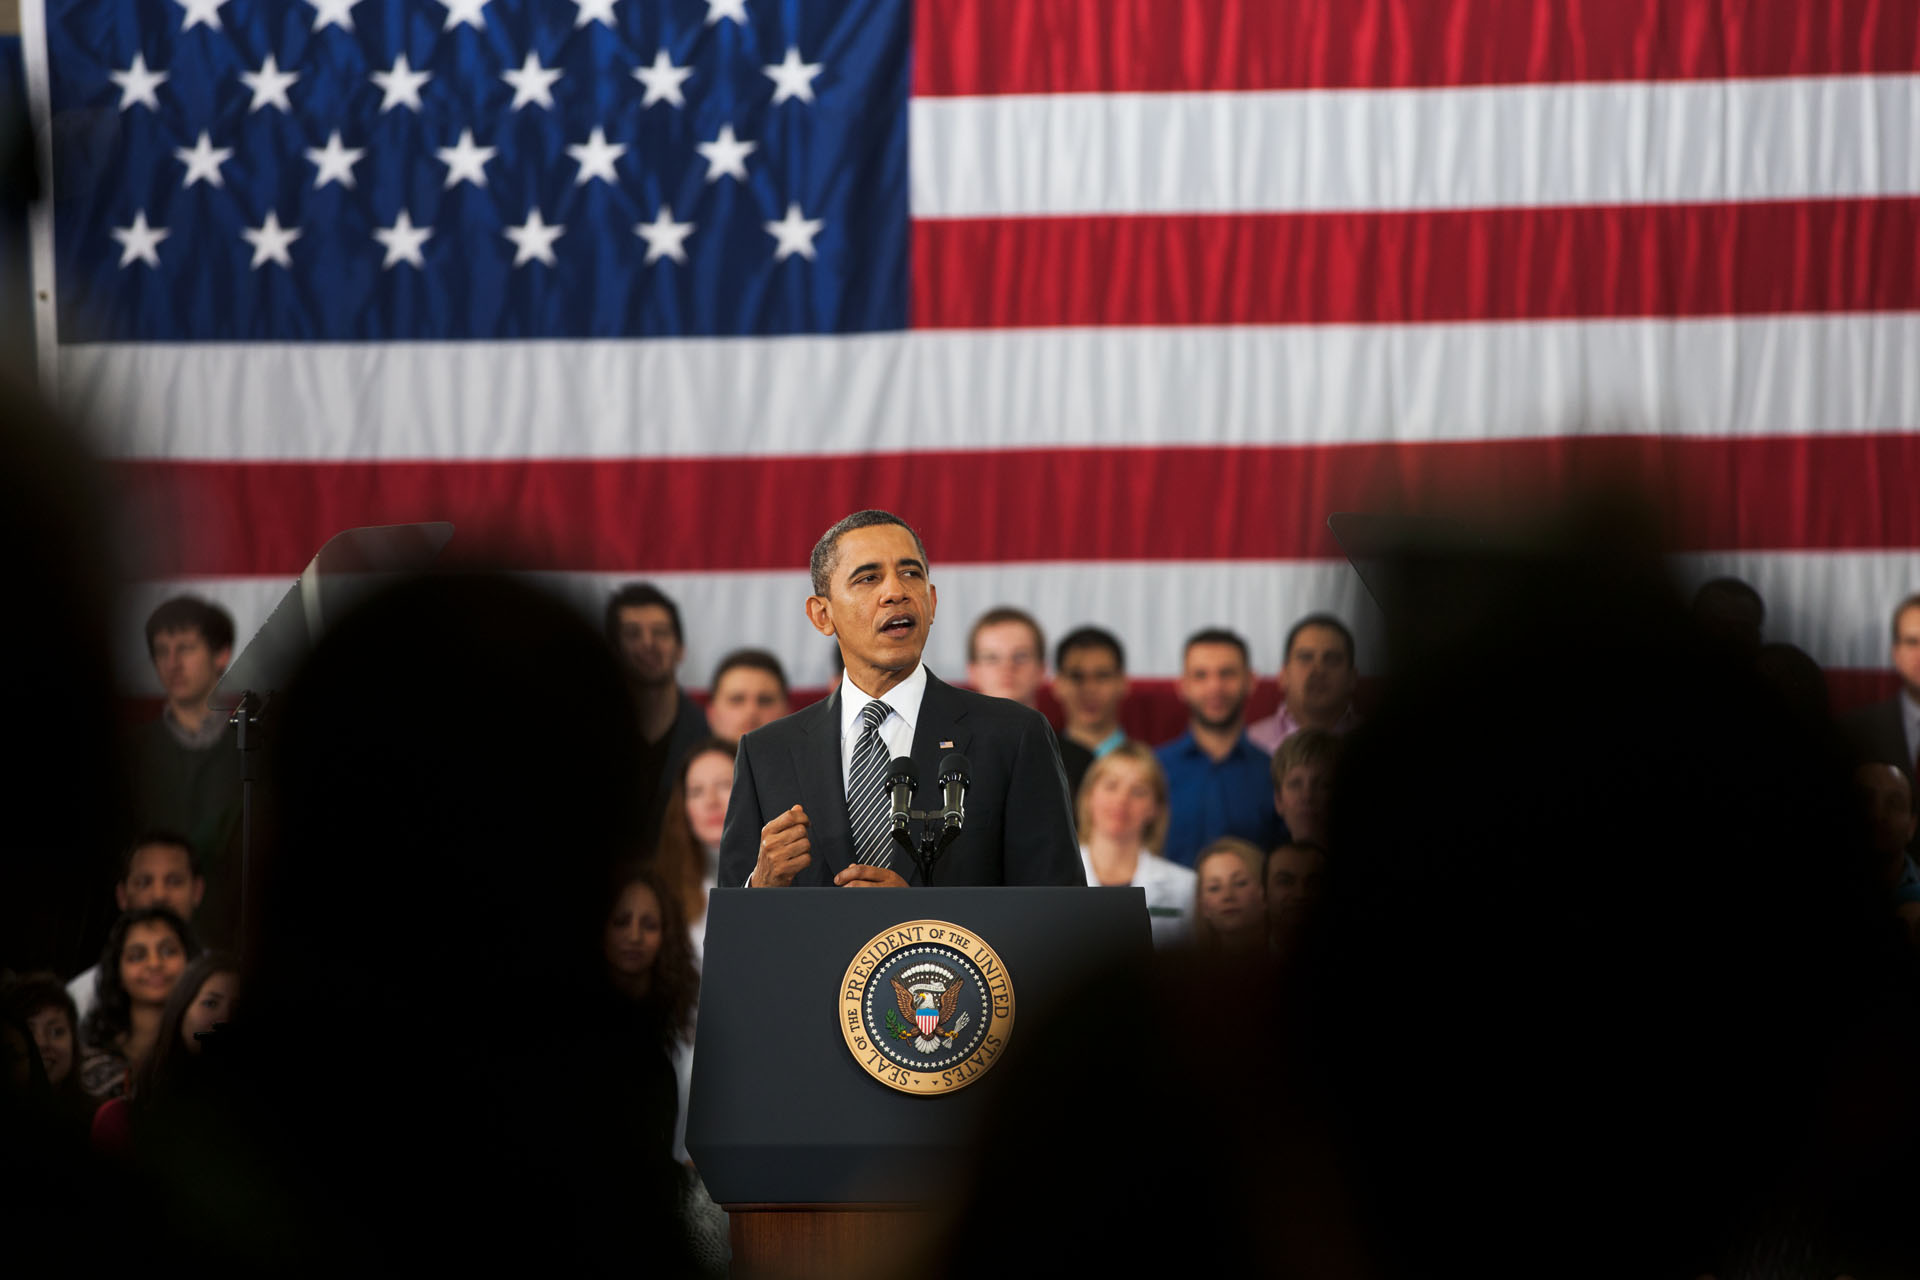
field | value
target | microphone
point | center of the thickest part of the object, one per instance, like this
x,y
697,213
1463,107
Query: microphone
x,y
956,775
902,783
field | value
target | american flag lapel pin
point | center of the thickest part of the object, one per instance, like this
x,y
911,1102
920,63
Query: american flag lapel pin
x,y
946,746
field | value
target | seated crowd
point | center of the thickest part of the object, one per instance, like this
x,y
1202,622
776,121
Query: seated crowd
x,y
1226,828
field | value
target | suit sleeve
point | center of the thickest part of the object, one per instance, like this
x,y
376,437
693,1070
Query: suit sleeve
x,y
740,838
1040,846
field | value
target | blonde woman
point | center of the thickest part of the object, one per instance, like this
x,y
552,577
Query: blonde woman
x,y
1122,818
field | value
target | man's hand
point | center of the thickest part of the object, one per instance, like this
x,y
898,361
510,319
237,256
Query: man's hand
x,y
862,876
783,849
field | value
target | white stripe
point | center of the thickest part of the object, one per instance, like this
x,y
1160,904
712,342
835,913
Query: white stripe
x,y
1834,605
1001,389
1449,148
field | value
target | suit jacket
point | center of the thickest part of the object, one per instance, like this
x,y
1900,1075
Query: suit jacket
x,y
1019,827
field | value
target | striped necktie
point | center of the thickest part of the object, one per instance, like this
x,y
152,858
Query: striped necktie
x,y
867,808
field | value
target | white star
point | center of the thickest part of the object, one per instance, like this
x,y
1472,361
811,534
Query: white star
x,y
334,13
792,78
596,156
471,12
141,243
663,80
735,9
270,241
794,233
531,83
403,241
466,162
203,161
726,155
533,239
400,85
201,13
137,84
665,238
336,162
269,85
593,11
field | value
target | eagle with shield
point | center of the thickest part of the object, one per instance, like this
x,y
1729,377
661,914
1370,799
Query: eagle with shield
x,y
927,1001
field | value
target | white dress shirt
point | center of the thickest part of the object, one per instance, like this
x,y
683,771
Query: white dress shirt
x,y
896,730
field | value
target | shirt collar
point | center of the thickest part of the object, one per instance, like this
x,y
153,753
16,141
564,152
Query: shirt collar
x,y
198,739
904,698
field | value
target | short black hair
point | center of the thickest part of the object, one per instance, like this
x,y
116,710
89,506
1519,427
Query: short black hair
x,y
191,613
753,660
827,549
1008,613
1218,635
158,836
637,595
1089,638
1328,621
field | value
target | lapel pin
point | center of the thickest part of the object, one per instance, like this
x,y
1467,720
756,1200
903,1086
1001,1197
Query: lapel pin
x,y
946,746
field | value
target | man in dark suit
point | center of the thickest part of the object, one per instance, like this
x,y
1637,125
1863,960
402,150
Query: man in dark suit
x,y
1889,732
807,807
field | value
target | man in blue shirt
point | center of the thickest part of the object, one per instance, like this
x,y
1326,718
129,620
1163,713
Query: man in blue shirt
x,y
1218,783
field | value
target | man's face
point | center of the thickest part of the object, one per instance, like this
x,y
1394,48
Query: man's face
x,y
1090,686
879,602
1293,884
1006,662
161,875
1302,801
1318,676
1214,683
1906,649
1889,802
648,644
187,668
745,699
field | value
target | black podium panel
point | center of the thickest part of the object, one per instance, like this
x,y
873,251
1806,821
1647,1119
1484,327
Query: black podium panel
x,y
781,1112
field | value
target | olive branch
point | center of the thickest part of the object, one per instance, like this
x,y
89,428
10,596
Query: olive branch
x,y
896,1029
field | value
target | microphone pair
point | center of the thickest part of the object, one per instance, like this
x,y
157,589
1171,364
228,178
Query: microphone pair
x,y
956,775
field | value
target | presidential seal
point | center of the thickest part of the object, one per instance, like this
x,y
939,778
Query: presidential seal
x,y
926,1007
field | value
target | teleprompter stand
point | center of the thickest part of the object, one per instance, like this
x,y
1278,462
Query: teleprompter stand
x,y
823,1167
352,565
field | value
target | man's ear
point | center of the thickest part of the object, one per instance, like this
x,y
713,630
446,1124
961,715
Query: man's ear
x,y
221,658
120,895
199,890
817,614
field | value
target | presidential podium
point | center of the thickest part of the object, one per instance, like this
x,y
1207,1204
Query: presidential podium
x,y
851,1041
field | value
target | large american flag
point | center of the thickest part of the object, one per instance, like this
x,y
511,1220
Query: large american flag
x,y
1116,300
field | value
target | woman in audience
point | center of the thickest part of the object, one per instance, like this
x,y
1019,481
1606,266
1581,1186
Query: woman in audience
x,y
649,956
688,856
1230,906
145,955
39,1002
201,1000
1122,818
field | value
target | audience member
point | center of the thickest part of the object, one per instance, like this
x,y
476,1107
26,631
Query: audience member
x,y
1317,679
1730,614
1889,732
643,626
144,957
172,1073
157,870
1303,780
1090,682
1007,658
1886,794
1121,815
40,1003
185,767
1217,780
1229,910
687,859
748,689
1294,874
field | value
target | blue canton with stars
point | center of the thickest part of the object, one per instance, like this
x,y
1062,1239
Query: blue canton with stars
x,y
299,240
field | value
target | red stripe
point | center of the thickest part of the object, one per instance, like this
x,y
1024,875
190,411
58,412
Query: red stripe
x,y
222,519
1412,267
1148,46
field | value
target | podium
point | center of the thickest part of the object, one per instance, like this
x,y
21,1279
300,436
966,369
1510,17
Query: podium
x,y
823,1117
